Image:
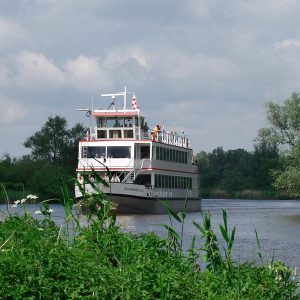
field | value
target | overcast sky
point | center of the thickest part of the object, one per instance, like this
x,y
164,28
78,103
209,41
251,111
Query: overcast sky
x,y
205,66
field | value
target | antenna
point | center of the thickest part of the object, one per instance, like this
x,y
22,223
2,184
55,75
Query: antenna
x,y
112,104
114,96
88,111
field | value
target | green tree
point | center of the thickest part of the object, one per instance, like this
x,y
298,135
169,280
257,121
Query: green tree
x,y
55,143
238,170
284,133
284,123
47,180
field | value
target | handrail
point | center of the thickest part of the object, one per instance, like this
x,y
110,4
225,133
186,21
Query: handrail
x,y
137,167
172,139
126,167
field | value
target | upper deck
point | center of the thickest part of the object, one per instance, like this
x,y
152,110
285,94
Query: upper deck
x,y
128,124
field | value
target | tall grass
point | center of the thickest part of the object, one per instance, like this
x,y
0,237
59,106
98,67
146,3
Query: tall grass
x,y
38,260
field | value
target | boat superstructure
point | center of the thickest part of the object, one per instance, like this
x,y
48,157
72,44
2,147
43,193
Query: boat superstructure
x,y
147,165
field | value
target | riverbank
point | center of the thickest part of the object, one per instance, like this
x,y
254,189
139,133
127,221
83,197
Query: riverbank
x,y
247,194
43,260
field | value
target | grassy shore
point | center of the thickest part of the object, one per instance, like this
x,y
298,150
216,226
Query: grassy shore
x,y
39,260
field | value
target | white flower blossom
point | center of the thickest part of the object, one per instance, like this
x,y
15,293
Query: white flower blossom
x,y
17,202
32,197
50,211
14,205
37,212
23,201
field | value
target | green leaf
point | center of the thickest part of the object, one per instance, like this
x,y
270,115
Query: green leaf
x,y
171,211
224,233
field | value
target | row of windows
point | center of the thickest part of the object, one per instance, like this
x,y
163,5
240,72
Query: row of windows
x,y
172,155
115,134
173,182
104,152
116,122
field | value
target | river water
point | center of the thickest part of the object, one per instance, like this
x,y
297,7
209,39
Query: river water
x,y
277,223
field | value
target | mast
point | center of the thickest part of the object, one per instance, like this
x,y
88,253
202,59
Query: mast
x,y
125,97
124,94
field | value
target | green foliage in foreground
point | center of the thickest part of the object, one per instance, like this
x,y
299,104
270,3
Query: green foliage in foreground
x,y
37,263
38,260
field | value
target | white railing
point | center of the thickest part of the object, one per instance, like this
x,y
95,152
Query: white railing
x,y
133,173
163,137
173,139
129,164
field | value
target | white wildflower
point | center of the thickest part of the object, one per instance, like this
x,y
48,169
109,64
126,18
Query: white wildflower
x,y
23,201
37,212
14,205
17,202
32,197
50,211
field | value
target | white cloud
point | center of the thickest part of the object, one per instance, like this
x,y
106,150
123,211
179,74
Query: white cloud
x,y
183,65
118,56
4,76
199,8
85,73
287,44
12,34
36,71
11,111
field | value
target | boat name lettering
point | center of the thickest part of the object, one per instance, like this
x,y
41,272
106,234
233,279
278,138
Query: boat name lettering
x,y
132,189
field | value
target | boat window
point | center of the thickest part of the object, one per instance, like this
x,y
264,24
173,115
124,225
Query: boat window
x,y
142,122
143,180
118,152
145,152
128,134
128,122
94,152
101,122
121,122
101,134
136,121
115,134
157,153
174,182
112,122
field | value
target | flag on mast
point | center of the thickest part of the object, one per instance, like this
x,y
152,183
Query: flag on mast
x,y
134,104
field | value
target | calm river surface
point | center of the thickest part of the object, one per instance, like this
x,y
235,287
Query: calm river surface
x,y
277,224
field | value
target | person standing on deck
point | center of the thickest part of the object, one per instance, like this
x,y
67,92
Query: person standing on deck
x,y
154,132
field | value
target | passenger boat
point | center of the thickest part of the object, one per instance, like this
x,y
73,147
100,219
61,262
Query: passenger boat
x,y
147,166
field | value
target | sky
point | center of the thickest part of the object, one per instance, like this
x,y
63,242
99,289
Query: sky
x,y
203,66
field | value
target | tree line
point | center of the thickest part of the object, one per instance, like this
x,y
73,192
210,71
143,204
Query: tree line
x,y
53,159
238,173
272,170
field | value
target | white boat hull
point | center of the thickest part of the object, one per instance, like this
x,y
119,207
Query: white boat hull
x,y
133,198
